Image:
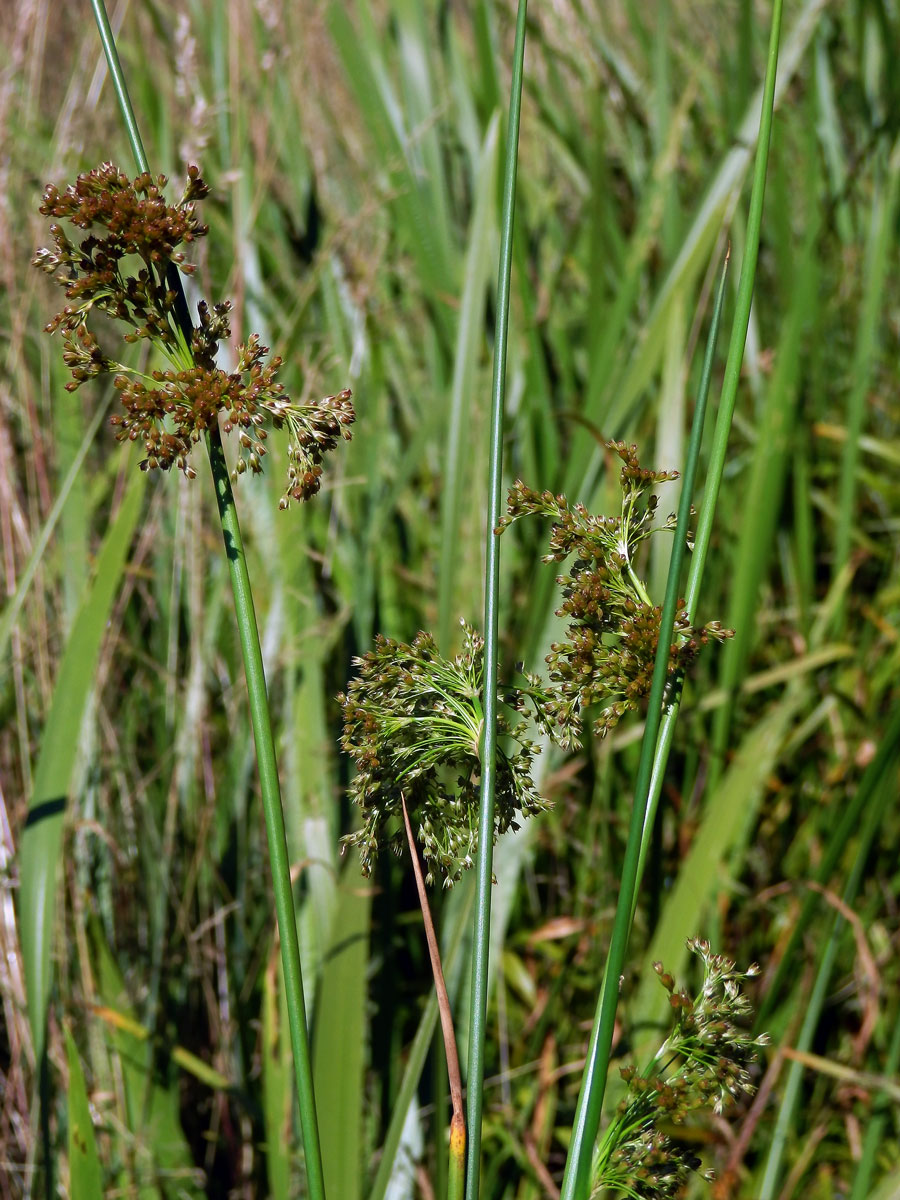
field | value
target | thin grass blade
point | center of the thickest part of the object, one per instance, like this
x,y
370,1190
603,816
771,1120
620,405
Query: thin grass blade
x,y
452,577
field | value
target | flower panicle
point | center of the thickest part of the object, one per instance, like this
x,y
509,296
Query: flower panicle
x,y
704,1063
609,650
137,221
413,725
123,269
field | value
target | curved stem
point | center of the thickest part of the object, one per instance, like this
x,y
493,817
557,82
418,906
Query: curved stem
x,y
458,1120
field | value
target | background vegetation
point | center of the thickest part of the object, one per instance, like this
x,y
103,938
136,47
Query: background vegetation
x,y
352,153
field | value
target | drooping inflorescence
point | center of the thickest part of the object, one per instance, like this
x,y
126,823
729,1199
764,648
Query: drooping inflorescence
x,y
613,627
124,269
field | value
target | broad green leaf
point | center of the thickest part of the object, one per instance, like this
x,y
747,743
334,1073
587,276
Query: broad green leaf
x,y
339,1042
85,1176
728,815
278,1091
160,1165
42,837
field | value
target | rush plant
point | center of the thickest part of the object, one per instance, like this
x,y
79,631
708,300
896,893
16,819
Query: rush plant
x,y
702,1064
128,269
613,627
443,747
414,726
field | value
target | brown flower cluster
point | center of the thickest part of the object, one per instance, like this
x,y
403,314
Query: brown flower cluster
x,y
137,221
618,673
129,273
609,651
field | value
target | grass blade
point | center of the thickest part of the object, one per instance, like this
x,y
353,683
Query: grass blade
x,y
881,233
156,1148
339,1043
771,460
469,338
42,837
875,1130
884,796
276,1069
418,1053
728,814
699,240
85,1176
14,604
877,770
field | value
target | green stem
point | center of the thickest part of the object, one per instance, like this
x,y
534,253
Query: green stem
x,y
646,795
670,716
590,1101
256,688
484,867
270,790
119,86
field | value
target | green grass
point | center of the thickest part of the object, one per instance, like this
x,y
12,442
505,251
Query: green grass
x,y
354,154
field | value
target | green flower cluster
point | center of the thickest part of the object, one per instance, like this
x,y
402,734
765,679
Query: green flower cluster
x,y
703,1063
413,721
413,724
608,655
129,273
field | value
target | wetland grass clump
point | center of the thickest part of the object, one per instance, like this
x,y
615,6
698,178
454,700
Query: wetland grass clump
x,y
128,268
414,726
353,161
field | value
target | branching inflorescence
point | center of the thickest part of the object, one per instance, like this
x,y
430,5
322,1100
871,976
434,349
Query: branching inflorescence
x,y
126,272
413,724
613,627
413,720
702,1064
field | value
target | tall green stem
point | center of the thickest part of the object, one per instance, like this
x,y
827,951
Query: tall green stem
x,y
663,740
270,790
484,868
590,1101
258,698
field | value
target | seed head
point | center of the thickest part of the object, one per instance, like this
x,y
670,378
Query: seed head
x,y
608,654
413,724
124,269
703,1063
